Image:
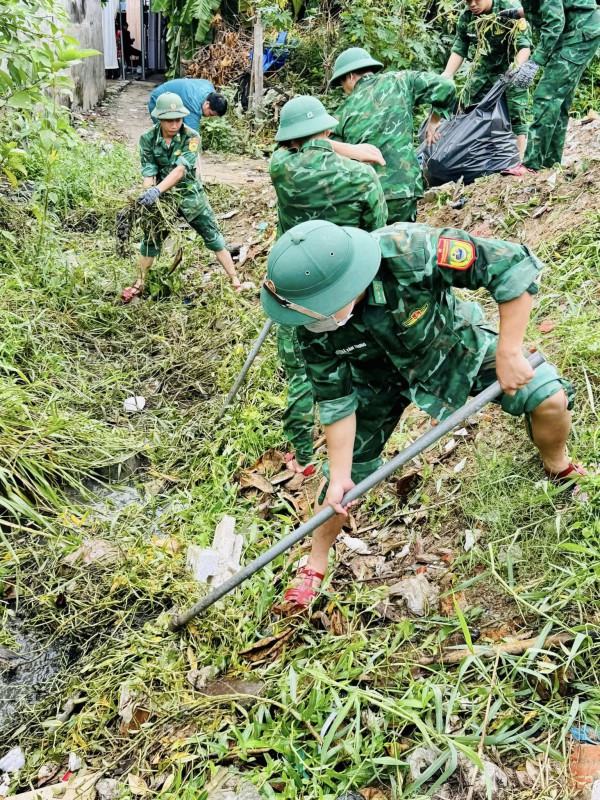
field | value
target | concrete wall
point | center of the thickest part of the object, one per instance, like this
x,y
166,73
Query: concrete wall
x,y
88,77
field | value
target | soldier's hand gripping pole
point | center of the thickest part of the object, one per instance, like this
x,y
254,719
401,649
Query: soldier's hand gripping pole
x,y
244,371
423,442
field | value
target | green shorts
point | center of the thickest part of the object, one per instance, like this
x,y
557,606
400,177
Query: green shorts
x,y
196,210
379,410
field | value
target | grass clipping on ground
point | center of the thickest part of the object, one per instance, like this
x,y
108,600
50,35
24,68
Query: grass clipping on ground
x,y
344,699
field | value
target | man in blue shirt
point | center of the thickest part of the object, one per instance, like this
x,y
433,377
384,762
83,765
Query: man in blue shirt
x,y
197,94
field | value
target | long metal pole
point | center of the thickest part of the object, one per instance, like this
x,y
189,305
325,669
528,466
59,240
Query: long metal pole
x,y
244,371
429,438
143,41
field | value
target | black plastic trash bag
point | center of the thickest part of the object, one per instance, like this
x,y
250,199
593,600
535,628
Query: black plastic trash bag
x,y
479,142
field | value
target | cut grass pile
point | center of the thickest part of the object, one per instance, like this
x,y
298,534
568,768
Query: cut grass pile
x,y
343,707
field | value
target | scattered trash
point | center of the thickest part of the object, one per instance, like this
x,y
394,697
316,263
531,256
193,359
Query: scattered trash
x,y
79,787
469,540
584,765
552,180
460,466
479,780
107,789
216,564
13,761
134,404
585,734
137,786
596,791
229,214
421,759
417,593
546,326
263,227
356,545
198,678
134,709
47,772
75,763
351,796
94,552
226,785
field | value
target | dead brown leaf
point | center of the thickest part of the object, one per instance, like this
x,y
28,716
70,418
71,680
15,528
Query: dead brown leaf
x,y
365,567
408,482
371,793
546,326
270,461
269,648
254,480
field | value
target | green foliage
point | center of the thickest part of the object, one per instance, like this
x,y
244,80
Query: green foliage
x,y
34,51
189,24
587,96
228,134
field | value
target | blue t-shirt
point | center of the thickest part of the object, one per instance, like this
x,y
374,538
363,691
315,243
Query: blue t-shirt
x,y
193,92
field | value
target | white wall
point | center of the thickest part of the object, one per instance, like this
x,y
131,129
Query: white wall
x,y
88,77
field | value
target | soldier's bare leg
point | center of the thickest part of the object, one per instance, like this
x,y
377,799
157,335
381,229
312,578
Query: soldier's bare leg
x,y
226,261
136,289
324,537
522,144
551,425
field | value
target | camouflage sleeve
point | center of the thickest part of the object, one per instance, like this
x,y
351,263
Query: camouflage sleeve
x,y
523,38
375,211
276,172
552,15
460,45
429,87
330,376
188,156
506,269
149,165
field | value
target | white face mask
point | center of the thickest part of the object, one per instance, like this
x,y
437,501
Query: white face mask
x,y
329,324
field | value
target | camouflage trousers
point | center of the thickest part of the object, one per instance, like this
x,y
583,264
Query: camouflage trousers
x,y
552,100
478,85
403,209
299,412
197,212
379,409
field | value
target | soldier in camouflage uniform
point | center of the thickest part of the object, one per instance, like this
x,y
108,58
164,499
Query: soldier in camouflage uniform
x,y
313,182
494,51
379,109
569,36
168,153
379,327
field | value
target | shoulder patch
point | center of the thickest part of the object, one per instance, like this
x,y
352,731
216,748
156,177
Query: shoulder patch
x,y
455,253
194,145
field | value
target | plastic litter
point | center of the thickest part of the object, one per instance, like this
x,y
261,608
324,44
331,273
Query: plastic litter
x,y
107,789
469,540
421,759
356,545
227,785
216,564
585,734
13,761
134,404
417,593
473,144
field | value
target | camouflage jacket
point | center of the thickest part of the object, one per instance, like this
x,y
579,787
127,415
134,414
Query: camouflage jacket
x,y
561,24
410,321
498,46
316,183
158,158
380,111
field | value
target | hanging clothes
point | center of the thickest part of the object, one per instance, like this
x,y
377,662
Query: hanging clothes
x,y
109,41
135,23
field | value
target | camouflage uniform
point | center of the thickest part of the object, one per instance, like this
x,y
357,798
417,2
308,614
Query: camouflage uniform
x,y
316,183
410,341
158,160
498,49
569,38
380,112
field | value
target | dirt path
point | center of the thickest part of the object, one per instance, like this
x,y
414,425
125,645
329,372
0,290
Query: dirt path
x,y
126,115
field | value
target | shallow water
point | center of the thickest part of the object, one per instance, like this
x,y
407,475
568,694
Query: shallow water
x,y
27,679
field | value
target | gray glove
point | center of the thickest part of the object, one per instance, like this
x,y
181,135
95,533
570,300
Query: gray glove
x,y
522,77
509,13
149,197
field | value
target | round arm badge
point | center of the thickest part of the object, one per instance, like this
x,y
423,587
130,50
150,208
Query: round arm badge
x,y
455,253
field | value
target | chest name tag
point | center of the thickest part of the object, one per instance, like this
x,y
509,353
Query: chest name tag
x,y
455,253
378,293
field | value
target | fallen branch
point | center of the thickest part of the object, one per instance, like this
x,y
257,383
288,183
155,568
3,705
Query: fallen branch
x,y
506,648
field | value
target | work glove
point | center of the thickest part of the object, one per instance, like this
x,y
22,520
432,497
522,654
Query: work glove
x,y
149,197
522,77
509,13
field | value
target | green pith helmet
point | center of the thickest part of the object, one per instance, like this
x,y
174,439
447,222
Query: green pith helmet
x,y
319,266
303,116
352,59
170,106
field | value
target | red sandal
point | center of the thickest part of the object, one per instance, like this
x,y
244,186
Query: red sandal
x,y
307,471
570,473
131,292
300,597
